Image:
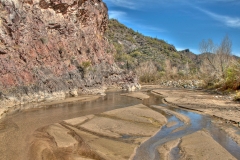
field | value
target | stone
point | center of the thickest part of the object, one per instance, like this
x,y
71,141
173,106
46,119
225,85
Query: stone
x,y
74,93
49,48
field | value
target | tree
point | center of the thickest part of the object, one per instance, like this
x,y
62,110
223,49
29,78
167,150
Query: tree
x,y
224,55
217,59
207,46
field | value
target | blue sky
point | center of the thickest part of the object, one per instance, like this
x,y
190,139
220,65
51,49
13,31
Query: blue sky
x,y
183,23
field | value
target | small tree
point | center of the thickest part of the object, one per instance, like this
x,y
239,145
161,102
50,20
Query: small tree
x,y
224,55
217,59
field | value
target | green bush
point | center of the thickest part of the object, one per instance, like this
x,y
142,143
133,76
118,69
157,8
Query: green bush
x,y
130,38
136,54
128,62
232,80
86,64
118,47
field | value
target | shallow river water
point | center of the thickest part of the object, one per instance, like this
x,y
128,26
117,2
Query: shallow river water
x,y
148,150
16,129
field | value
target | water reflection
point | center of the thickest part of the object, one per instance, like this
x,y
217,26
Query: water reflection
x,y
148,150
17,128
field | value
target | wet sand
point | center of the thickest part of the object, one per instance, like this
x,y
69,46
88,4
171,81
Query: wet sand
x,y
17,129
120,133
202,102
181,117
198,145
226,110
117,134
109,135
166,148
138,95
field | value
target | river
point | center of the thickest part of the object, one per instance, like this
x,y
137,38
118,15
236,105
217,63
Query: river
x,y
16,129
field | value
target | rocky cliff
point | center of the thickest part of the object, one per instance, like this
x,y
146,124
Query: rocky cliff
x,y
56,47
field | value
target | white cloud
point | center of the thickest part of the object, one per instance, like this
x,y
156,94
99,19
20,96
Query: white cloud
x,y
123,3
226,20
147,4
117,14
151,28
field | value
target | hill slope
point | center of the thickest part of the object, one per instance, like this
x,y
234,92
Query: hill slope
x,y
133,48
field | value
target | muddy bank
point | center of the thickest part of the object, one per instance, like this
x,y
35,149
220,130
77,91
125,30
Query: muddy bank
x,y
109,135
206,148
138,95
11,104
198,145
202,102
227,111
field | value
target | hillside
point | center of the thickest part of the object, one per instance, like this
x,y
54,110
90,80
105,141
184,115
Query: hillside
x,y
154,60
133,48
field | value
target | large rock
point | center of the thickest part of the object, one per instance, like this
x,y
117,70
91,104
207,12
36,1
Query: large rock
x,y
55,46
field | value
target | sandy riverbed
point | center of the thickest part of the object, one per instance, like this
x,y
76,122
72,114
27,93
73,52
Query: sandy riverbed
x,y
110,135
226,110
198,145
115,135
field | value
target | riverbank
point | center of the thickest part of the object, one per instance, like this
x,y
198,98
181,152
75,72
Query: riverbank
x,y
225,110
11,104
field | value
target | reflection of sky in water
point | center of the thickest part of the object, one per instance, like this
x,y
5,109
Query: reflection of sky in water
x,y
167,130
198,122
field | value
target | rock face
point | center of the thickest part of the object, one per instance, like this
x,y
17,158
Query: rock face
x,y
55,45
190,84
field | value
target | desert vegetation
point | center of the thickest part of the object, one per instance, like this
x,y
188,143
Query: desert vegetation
x,y
219,68
155,60
152,56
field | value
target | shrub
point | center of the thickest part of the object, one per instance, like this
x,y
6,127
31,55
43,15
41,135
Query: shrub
x,y
232,80
130,38
86,64
147,72
127,61
118,47
136,54
237,96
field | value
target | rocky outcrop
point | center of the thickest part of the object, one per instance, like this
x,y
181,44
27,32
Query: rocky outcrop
x,y
190,84
55,46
